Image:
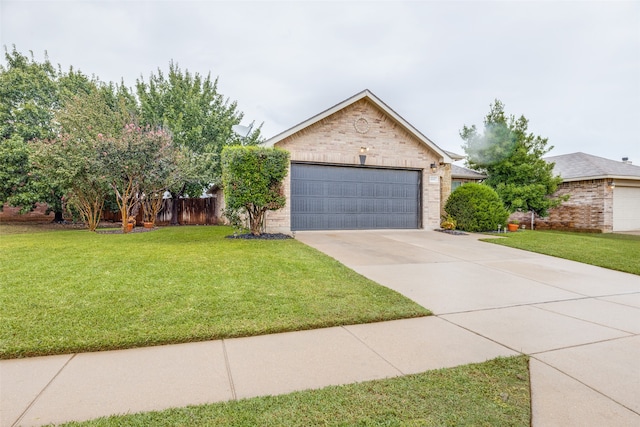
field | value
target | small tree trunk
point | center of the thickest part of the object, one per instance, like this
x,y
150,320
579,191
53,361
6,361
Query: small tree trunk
x,y
174,209
58,218
255,220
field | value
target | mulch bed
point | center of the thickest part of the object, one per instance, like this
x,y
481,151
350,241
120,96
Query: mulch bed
x,y
452,232
263,236
119,230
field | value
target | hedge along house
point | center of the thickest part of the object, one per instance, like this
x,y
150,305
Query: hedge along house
x,y
604,195
359,165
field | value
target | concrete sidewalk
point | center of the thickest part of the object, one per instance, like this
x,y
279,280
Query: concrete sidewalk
x,y
580,324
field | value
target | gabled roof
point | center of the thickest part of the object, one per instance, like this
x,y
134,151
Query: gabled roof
x,y
465,173
365,94
581,166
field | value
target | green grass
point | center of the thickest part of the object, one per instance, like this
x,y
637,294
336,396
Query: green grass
x,y
493,393
77,291
614,251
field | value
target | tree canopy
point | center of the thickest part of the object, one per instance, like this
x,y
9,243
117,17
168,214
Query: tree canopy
x,y
511,157
72,161
198,117
200,120
28,98
51,120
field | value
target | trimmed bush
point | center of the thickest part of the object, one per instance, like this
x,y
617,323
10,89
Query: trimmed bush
x,y
476,207
252,177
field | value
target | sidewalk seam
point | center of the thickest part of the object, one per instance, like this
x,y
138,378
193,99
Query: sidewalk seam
x,y
46,386
584,384
480,335
372,350
229,374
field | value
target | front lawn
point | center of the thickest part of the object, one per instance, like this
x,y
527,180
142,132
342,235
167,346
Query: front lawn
x,y
615,251
76,291
493,393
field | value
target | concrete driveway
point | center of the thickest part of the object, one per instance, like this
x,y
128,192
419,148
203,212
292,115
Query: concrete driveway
x,y
580,324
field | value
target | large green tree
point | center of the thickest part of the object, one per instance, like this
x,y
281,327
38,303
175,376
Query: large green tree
x,y
512,159
199,119
28,99
72,161
31,94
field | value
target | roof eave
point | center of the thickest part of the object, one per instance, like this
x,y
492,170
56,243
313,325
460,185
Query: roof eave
x,y
597,177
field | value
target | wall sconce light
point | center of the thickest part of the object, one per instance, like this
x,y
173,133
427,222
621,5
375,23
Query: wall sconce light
x,y
612,184
363,155
434,167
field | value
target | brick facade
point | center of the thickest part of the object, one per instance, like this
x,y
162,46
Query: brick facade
x,y
12,214
589,209
338,139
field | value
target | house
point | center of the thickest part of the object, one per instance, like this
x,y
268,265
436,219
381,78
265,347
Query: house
x,y
360,165
604,194
461,175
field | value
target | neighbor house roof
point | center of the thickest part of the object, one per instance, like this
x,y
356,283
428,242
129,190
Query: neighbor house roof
x,y
465,173
581,166
365,94
455,156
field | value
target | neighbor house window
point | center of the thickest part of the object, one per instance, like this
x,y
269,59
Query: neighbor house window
x,y
455,184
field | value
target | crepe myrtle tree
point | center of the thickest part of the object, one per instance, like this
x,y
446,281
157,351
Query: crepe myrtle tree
x,y
252,179
170,167
72,160
131,159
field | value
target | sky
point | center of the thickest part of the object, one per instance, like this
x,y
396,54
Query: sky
x,y
572,68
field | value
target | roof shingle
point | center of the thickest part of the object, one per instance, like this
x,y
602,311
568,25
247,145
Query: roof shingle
x,y
581,166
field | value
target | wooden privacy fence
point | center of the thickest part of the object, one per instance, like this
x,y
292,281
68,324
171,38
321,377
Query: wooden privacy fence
x,y
190,212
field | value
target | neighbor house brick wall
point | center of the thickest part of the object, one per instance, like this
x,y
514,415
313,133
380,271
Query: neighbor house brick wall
x,y
337,139
589,208
12,214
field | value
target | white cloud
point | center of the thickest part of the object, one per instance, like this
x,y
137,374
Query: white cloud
x,y
572,68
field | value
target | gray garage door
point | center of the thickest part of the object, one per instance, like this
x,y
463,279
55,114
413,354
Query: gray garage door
x,y
352,198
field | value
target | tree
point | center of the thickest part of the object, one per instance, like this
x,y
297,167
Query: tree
x,y
31,94
168,169
132,158
252,178
512,160
199,119
73,160
28,99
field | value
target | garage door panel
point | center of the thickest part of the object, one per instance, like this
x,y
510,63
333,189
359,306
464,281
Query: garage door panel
x,y
626,208
344,198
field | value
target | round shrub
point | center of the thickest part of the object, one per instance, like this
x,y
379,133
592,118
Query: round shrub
x,y
476,207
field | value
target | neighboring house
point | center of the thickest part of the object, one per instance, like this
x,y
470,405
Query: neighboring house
x,y
359,165
604,194
461,175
